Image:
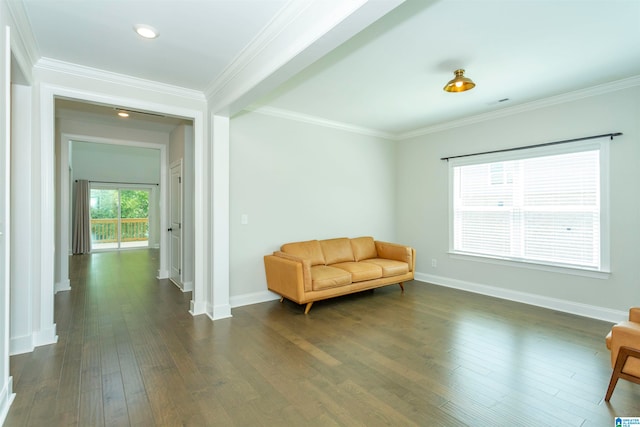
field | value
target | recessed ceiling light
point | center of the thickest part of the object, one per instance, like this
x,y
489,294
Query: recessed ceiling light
x,y
146,31
123,113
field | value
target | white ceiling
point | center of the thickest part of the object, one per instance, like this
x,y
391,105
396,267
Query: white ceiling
x,y
387,78
198,38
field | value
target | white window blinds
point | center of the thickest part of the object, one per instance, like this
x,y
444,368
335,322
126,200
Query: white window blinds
x,y
539,205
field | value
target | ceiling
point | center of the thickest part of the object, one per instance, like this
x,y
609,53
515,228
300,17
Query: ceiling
x,y
387,78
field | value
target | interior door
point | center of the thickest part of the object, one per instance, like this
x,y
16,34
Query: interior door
x,y
175,227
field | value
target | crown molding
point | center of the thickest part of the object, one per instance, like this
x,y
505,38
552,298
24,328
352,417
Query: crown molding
x,y
288,14
301,32
315,120
505,112
54,65
24,45
522,108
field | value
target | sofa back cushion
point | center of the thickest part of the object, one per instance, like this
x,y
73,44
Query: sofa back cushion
x,y
336,250
310,250
363,248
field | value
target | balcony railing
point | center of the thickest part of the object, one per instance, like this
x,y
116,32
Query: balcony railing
x,y
106,230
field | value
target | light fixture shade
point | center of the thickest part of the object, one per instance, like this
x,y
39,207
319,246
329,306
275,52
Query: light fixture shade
x,y
459,83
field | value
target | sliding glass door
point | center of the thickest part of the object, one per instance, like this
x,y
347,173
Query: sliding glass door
x,y
119,218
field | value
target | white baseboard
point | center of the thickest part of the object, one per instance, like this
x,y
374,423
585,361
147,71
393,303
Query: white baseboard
x,y
252,298
163,274
178,284
187,286
197,308
21,345
6,398
45,336
64,285
217,312
592,311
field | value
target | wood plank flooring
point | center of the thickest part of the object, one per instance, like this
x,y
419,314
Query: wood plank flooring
x,y
129,354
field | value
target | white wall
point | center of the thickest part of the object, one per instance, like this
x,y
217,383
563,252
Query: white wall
x,y
106,162
423,196
298,181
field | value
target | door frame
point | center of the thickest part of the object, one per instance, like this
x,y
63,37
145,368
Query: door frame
x,y
177,163
65,199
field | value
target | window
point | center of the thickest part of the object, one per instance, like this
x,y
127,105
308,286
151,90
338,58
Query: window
x,y
544,205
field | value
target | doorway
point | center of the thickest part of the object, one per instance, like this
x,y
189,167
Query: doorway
x,y
119,217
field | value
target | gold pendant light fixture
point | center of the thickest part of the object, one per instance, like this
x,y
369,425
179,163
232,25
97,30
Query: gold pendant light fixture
x,y
459,83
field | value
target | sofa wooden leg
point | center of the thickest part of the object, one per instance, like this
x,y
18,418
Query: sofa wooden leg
x,y
401,286
308,307
281,299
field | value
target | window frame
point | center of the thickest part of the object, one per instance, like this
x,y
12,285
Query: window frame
x,y
603,146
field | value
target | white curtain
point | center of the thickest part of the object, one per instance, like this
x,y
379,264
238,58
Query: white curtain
x,y
82,219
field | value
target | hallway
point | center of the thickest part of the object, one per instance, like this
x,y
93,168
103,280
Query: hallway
x,y
117,325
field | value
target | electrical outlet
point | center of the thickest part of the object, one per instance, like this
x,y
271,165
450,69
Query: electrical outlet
x,y
244,219
434,262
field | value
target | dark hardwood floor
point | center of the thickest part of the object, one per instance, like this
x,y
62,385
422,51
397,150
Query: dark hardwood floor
x,y
129,353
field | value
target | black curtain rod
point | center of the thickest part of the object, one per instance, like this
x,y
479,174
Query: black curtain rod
x,y
610,135
128,183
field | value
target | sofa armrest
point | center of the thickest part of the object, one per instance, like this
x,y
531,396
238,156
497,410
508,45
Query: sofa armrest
x,y
634,314
287,275
624,334
397,252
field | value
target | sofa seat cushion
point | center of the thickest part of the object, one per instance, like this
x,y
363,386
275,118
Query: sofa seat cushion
x,y
389,267
360,271
325,277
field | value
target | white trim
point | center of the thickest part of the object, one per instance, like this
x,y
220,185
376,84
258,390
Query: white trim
x,y
218,306
522,108
592,311
21,345
253,298
6,398
217,312
65,214
299,34
23,36
47,224
197,307
49,64
47,119
187,286
6,395
64,285
45,336
452,124
319,121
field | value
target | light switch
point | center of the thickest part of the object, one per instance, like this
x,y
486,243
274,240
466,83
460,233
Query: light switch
x,y
244,219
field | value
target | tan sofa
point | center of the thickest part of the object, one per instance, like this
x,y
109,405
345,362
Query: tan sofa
x,y
314,270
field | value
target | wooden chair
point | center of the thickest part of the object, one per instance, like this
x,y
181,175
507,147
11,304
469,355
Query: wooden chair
x,y
624,343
